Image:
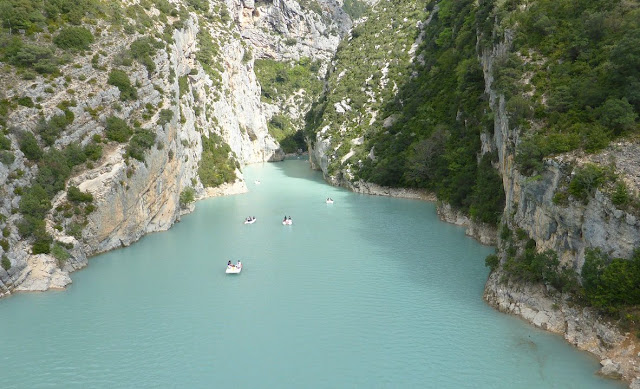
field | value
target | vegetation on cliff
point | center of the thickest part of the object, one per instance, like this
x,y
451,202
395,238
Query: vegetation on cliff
x,y
572,77
290,85
420,111
61,58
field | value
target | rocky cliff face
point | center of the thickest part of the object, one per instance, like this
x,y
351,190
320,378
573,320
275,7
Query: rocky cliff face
x,y
131,197
567,228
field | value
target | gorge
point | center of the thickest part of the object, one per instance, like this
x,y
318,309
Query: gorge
x,y
520,117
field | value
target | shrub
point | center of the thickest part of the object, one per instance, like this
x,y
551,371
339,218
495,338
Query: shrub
x,y
4,244
586,180
35,202
117,130
42,243
610,284
60,253
75,230
53,172
187,196
74,38
119,79
143,49
183,85
620,195
5,143
25,101
165,116
199,5
29,146
141,141
6,263
74,154
492,262
6,157
93,151
77,196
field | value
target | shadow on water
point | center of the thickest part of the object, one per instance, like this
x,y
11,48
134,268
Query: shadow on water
x,y
291,167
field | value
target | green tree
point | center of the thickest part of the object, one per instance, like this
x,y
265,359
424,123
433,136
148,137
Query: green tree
x,y
618,115
29,146
74,38
119,79
117,129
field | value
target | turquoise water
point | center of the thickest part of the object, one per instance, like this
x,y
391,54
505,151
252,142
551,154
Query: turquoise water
x,y
368,292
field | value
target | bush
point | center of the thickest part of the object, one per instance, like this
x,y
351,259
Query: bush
x,y
6,157
488,198
119,79
4,244
35,202
141,141
29,146
6,263
27,55
75,230
74,154
611,284
586,180
165,116
143,49
183,85
42,243
187,196
60,253
53,172
492,262
77,196
93,151
543,267
117,130
620,196
25,101
74,38
5,143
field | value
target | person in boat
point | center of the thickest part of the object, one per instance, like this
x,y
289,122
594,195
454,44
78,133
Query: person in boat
x,y
239,264
229,263
289,217
285,218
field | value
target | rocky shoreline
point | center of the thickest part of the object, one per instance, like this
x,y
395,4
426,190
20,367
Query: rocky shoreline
x,y
43,273
619,353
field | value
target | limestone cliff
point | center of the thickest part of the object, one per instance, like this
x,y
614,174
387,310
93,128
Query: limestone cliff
x,y
181,97
567,228
537,206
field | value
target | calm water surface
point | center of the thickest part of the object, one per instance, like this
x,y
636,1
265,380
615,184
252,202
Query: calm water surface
x,y
368,292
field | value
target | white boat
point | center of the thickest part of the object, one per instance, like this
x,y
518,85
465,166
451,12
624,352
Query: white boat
x,y
287,222
234,269
329,201
257,182
247,221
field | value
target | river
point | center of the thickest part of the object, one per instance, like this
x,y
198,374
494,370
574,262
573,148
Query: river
x,y
367,292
